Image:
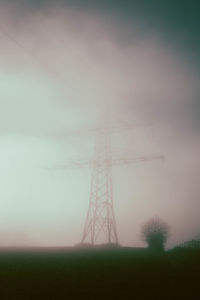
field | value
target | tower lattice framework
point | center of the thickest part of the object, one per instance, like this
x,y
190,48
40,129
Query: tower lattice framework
x,y
100,225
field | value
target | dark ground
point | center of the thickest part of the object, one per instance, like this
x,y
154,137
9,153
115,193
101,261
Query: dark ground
x,y
121,273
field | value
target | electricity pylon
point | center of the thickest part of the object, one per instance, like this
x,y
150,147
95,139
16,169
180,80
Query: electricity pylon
x,y
100,218
100,224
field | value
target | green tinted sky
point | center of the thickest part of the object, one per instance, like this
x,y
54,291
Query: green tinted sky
x,y
178,21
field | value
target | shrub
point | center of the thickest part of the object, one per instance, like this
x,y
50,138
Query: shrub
x,y
155,233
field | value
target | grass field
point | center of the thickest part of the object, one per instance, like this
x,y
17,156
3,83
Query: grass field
x,y
121,273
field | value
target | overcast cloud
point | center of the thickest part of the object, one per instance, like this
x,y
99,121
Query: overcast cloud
x,y
60,68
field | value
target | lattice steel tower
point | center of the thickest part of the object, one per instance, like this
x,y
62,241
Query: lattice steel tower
x,y
100,222
100,225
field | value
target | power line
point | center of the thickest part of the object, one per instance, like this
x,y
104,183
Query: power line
x,y
46,66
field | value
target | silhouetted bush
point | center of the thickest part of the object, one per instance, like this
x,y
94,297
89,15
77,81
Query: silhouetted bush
x,y
155,233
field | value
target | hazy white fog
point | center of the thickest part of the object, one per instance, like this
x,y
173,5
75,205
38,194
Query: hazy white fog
x,y
59,69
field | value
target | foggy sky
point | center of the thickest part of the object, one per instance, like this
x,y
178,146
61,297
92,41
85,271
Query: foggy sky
x,y
61,65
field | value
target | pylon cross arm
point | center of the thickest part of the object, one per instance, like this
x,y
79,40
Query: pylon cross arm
x,y
108,162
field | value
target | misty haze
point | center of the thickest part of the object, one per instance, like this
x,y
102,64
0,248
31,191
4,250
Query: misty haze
x,y
99,129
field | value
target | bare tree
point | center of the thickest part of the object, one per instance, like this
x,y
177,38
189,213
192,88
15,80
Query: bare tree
x,y
155,233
